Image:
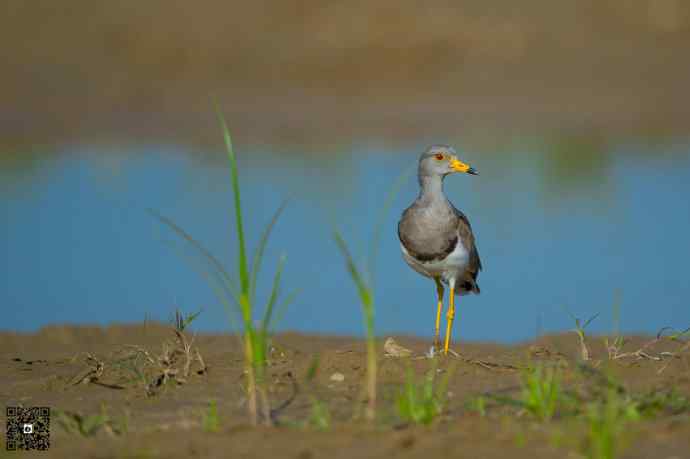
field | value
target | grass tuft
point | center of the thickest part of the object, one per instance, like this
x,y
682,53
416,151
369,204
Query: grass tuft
x,y
90,425
666,402
606,421
421,402
366,298
477,405
239,296
364,281
320,416
541,391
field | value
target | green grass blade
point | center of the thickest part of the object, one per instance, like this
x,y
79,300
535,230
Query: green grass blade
x,y
589,321
218,288
268,313
378,227
200,248
313,369
182,322
362,288
189,319
281,309
259,252
234,175
367,299
210,421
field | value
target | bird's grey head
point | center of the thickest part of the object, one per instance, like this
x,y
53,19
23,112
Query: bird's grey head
x,y
441,160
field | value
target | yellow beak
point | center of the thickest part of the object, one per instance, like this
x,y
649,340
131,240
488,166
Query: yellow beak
x,y
459,166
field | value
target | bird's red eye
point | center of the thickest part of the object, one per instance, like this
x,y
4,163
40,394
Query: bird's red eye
x,y
439,156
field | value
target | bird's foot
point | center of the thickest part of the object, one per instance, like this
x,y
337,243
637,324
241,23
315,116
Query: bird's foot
x,y
435,349
433,352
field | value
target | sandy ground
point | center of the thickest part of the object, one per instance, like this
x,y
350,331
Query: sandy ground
x,y
50,368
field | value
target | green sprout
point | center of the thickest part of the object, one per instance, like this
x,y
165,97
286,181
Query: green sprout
x,y
422,402
210,421
579,330
541,392
606,421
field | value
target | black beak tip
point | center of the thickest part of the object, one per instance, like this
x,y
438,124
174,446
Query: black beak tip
x,y
472,171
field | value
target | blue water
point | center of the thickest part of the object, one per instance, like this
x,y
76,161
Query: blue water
x,y
77,245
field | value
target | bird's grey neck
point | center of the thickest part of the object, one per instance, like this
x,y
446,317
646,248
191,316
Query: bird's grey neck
x,y
431,188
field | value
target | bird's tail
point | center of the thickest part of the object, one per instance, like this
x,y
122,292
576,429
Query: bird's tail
x,y
469,286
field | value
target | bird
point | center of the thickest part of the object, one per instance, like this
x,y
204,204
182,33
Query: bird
x,y
436,239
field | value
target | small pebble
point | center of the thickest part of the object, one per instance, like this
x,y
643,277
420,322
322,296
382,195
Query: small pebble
x,y
393,349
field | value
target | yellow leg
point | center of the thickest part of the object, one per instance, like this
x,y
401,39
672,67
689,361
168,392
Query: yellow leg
x,y
450,316
439,293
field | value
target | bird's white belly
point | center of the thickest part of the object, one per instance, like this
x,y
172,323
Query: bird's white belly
x,y
452,266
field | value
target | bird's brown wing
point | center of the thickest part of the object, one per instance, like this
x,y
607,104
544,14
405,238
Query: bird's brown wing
x,y
475,263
